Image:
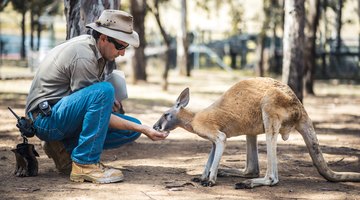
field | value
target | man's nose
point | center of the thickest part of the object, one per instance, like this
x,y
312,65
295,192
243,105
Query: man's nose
x,y
121,52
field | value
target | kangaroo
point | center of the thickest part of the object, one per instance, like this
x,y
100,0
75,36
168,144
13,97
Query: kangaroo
x,y
250,107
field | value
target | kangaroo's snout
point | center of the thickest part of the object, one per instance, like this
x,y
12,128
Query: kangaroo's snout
x,y
157,127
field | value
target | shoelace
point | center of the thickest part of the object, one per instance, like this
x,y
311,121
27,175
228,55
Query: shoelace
x,y
102,166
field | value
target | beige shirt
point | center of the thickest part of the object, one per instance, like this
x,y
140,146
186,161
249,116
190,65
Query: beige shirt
x,y
73,65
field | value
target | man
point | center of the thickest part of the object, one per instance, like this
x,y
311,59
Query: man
x,y
71,105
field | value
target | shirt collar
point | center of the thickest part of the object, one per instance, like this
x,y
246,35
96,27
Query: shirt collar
x,y
96,50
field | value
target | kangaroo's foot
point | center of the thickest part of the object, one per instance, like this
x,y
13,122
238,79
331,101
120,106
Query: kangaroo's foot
x,y
251,183
205,183
237,173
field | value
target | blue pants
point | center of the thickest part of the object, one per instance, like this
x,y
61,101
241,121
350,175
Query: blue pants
x,y
81,122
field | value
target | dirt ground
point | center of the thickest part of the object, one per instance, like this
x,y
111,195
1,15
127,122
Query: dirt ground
x,y
163,170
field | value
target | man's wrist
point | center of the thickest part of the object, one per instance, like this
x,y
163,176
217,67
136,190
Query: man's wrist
x,y
143,129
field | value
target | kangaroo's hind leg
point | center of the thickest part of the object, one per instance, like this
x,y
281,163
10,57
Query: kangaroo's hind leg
x,y
272,127
252,161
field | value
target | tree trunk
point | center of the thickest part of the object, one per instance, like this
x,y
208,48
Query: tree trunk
x,y
32,27
324,37
78,13
338,25
23,33
359,32
39,29
183,48
310,46
167,41
259,69
276,20
138,10
293,60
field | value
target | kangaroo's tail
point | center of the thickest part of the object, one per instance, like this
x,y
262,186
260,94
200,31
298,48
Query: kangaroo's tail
x,y
306,129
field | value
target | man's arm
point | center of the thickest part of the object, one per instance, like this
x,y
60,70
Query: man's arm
x,y
120,123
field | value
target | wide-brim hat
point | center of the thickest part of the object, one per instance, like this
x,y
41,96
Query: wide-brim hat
x,y
116,24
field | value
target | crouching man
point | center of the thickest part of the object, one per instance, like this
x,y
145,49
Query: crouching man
x,y
74,110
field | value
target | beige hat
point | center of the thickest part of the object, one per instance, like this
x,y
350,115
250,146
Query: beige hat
x,y
116,24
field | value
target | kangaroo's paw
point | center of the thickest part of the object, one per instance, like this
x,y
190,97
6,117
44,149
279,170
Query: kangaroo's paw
x,y
206,183
237,173
251,183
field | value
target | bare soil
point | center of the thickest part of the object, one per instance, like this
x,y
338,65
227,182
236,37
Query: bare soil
x,y
163,170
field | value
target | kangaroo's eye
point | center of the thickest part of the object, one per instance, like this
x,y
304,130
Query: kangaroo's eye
x,y
167,116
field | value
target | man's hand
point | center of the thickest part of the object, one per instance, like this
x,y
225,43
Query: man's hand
x,y
117,107
117,122
153,134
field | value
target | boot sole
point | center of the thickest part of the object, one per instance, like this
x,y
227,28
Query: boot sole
x,y
83,178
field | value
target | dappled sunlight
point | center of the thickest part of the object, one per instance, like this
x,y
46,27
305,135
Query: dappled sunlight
x,y
163,168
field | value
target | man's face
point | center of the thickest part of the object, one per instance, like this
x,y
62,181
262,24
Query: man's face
x,y
113,48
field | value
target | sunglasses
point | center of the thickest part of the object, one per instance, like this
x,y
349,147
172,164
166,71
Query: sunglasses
x,y
116,44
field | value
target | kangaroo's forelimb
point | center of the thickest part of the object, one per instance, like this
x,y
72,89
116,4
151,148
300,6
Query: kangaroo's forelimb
x,y
208,177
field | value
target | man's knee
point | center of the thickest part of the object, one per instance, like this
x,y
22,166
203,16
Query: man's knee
x,y
104,90
105,87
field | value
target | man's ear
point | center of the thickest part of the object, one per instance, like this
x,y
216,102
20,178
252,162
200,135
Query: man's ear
x,y
103,37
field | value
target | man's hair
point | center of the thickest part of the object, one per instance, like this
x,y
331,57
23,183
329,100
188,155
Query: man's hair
x,y
95,34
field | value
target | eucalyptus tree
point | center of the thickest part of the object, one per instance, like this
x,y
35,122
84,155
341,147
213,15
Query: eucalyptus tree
x,y
293,49
78,13
235,12
259,68
38,9
3,4
154,9
183,42
22,7
310,45
138,10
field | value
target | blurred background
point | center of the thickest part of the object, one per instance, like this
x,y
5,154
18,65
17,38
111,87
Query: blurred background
x,y
297,41
206,45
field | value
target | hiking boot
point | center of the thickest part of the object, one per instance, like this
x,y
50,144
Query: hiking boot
x,y
96,173
56,150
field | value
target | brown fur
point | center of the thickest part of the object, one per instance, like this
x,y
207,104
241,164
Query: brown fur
x,y
251,107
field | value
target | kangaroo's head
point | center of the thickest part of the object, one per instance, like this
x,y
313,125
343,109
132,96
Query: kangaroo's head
x,y
171,119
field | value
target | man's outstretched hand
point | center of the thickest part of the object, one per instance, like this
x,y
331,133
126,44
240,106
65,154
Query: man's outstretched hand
x,y
153,134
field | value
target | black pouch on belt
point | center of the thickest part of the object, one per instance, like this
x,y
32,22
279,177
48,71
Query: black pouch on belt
x,y
45,108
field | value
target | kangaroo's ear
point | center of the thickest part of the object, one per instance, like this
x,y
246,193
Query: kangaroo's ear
x,y
183,98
